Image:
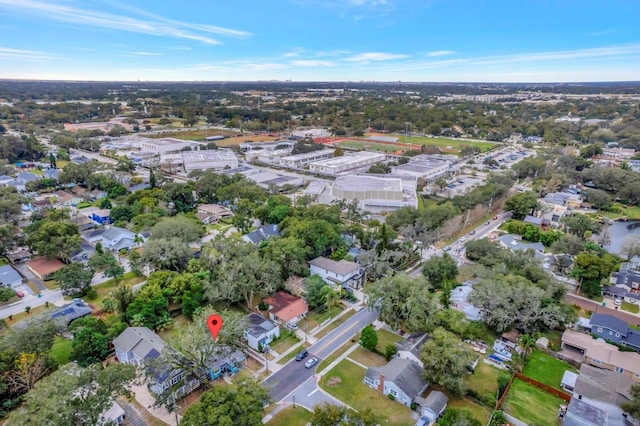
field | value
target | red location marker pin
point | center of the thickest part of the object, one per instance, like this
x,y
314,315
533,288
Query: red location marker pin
x,y
214,322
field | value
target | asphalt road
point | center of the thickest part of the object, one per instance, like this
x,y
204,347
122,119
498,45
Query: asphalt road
x,y
293,374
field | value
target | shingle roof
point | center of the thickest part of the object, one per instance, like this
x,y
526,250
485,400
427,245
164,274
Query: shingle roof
x,y
343,267
609,321
8,275
579,413
115,233
436,402
142,341
286,306
404,373
603,385
258,325
71,311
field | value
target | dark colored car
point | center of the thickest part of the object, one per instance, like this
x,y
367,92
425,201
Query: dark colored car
x,y
302,354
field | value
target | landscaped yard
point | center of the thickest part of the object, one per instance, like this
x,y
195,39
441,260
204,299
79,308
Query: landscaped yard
x,y
105,288
291,417
531,404
386,338
317,318
630,307
479,412
284,342
368,358
344,381
546,369
484,379
61,350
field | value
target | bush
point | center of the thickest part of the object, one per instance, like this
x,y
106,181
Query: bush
x,y
263,306
391,397
92,295
390,351
6,294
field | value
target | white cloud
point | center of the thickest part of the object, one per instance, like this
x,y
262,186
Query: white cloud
x,y
158,26
436,53
146,53
312,63
375,56
23,55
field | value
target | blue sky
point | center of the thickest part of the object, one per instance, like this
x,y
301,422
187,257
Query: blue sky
x,y
321,40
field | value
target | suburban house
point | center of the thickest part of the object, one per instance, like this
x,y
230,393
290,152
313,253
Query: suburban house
x,y
71,311
409,348
18,255
460,302
51,174
227,361
44,268
581,413
261,331
114,415
263,233
337,273
67,199
605,390
625,283
514,243
584,348
400,378
9,277
116,239
432,406
611,328
286,309
137,344
214,212
537,221
84,253
559,204
99,216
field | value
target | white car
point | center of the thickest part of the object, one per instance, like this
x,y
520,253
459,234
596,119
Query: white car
x,y
311,362
463,239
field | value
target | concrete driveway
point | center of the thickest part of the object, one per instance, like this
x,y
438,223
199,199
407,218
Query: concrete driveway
x,y
30,276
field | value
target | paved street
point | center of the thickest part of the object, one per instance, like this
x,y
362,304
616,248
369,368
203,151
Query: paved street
x,y
51,296
292,375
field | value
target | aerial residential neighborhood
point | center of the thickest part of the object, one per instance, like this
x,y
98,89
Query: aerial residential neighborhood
x,y
319,213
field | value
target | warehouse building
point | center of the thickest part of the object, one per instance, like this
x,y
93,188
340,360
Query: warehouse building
x,y
301,160
166,145
377,193
425,169
215,159
359,161
266,156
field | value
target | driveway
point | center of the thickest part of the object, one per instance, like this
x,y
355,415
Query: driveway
x,y
131,414
30,276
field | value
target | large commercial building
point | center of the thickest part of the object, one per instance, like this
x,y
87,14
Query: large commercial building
x,y
187,161
166,145
300,160
424,167
266,156
377,192
359,161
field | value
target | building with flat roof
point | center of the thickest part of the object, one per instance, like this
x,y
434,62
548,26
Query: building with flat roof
x,y
428,170
266,156
215,159
347,163
377,192
166,145
301,160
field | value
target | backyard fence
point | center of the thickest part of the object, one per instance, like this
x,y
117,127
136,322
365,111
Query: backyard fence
x,y
563,395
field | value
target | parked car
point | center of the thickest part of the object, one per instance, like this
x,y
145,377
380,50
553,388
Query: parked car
x,y
617,302
463,239
495,218
310,363
472,232
302,354
447,248
19,294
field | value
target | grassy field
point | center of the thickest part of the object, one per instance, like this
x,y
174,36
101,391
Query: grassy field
x,y
315,319
484,379
630,307
531,404
353,392
291,417
446,143
61,350
285,341
200,135
386,338
103,289
367,357
328,360
372,146
479,412
546,369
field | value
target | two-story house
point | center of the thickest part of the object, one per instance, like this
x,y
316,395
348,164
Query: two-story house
x,y
337,273
615,330
116,239
400,378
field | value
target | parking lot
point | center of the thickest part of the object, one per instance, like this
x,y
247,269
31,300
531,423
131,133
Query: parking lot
x,y
461,184
506,158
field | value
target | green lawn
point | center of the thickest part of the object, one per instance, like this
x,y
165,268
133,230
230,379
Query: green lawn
x,y
386,338
284,342
328,360
334,324
546,369
354,393
290,416
531,404
484,379
368,358
630,307
105,288
61,350
371,146
479,412
447,143
317,318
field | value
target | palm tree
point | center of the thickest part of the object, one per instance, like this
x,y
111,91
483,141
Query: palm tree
x,y
527,343
331,299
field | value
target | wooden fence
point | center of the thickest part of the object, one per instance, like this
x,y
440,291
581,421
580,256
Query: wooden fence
x,y
565,396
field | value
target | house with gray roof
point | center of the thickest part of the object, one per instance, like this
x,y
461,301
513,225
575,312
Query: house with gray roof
x,y
261,331
400,378
26,177
9,277
135,345
78,308
263,233
337,273
432,406
614,329
514,243
116,239
409,348
51,174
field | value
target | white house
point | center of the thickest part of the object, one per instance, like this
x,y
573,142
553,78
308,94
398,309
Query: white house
x,y
9,277
261,331
342,273
400,378
116,239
